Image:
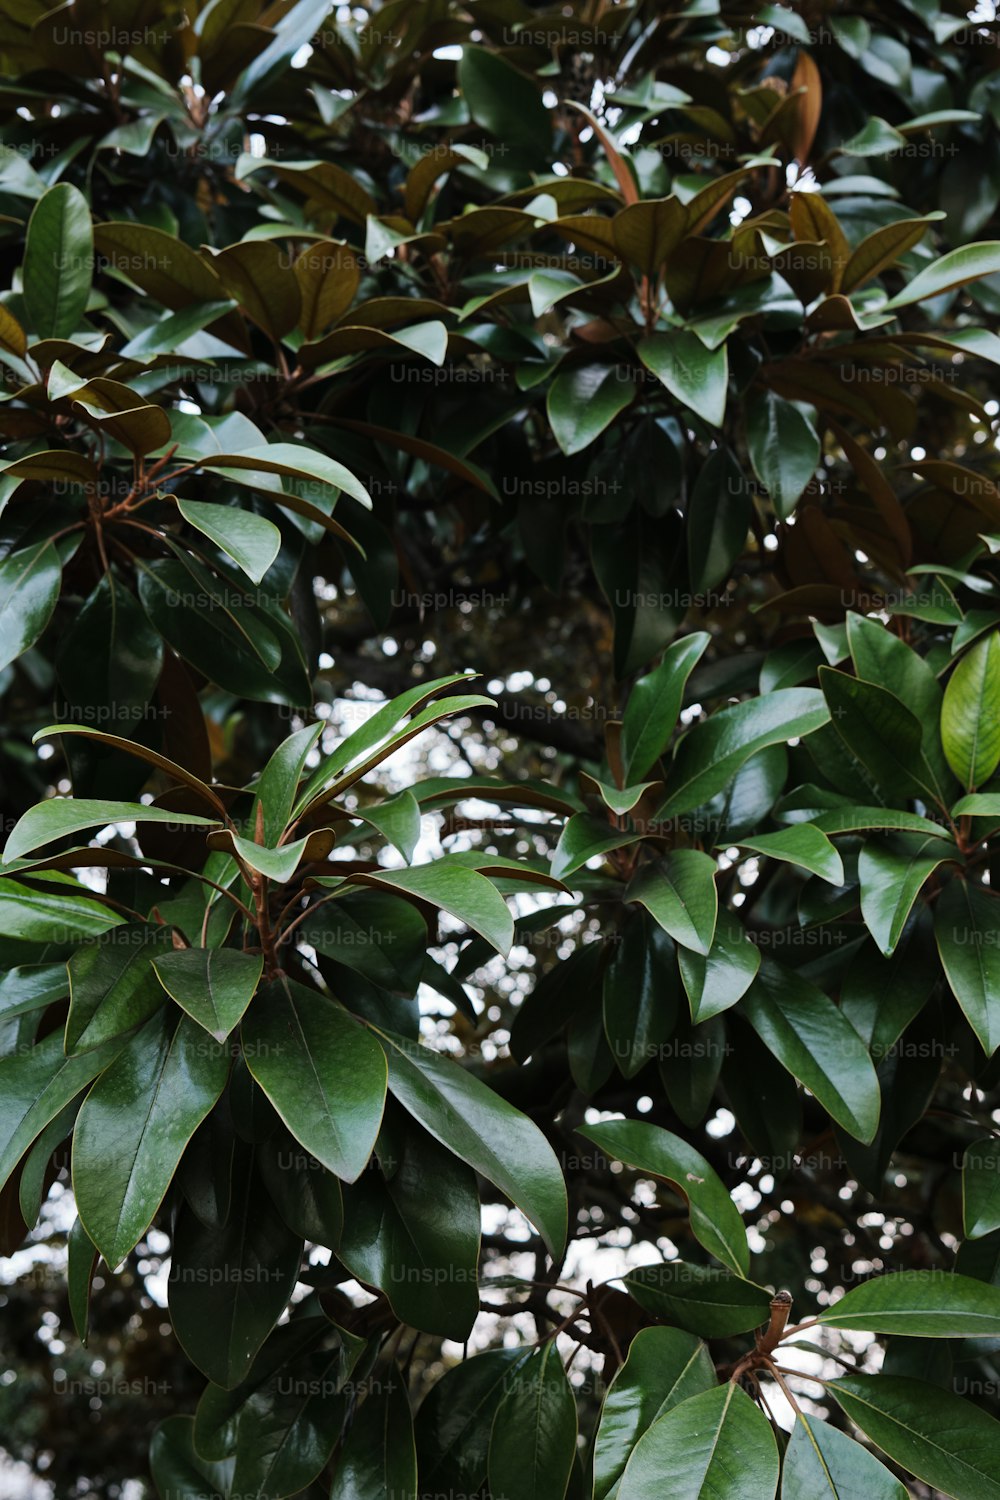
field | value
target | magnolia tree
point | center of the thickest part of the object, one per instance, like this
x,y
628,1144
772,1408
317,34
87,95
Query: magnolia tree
x,y
500,622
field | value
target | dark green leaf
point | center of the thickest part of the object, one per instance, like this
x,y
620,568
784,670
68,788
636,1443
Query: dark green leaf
x,y
109,662
892,874
45,916
944,1440
58,262
482,1129
966,922
701,1299
296,461
710,753
134,1125
880,731
639,995
414,1234
214,985
504,101
276,788
920,1304
585,399
141,752
398,820
718,518
179,1472
287,1426
689,1066
804,845
81,1261
583,838
29,588
379,935
252,541
697,376
59,816
377,733
716,980
453,1424
557,996
228,1286
112,986
533,1438
461,892
378,1460
35,1085
307,1196
826,1464
31,987
654,704
880,657
812,1039
784,448
679,892
715,1446
715,1220
981,1187
237,643
880,996
664,1367
322,1071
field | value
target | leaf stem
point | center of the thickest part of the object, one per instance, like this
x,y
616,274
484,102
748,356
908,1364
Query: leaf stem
x,y
775,1373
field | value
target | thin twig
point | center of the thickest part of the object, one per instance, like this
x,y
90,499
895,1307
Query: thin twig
x,y
772,1370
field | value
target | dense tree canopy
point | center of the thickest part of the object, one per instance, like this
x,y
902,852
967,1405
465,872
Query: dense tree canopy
x,y
500,661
